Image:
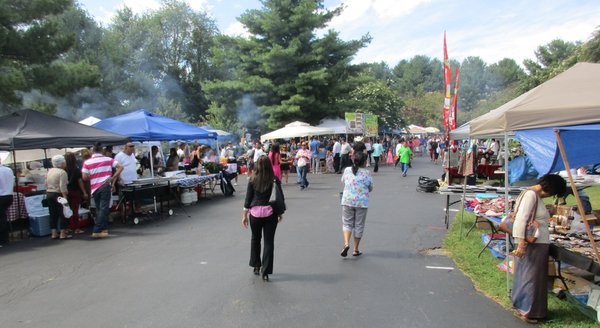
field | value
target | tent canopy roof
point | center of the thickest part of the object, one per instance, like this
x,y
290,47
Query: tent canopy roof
x,y
296,129
570,98
30,129
145,126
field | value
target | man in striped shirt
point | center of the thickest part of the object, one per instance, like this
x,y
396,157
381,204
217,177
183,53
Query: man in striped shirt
x,y
99,171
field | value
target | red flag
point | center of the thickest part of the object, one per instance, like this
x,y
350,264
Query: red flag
x,y
452,119
447,88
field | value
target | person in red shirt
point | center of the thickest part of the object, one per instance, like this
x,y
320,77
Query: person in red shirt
x,y
99,171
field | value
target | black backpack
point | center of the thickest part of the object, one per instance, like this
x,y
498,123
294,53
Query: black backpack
x,y
426,184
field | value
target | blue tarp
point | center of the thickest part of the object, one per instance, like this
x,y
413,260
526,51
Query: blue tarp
x,y
581,143
145,126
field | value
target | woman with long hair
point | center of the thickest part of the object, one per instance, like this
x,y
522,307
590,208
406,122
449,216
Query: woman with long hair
x,y
77,191
275,159
263,220
284,160
358,183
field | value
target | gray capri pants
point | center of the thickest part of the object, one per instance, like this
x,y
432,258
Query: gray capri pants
x,y
353,219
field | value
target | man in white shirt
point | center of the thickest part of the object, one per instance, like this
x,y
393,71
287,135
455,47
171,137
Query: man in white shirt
x,y
7,182
258,151
228,152
127,159
337,149
345,155
398,146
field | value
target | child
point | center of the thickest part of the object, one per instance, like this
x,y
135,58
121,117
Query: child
x,y
329,162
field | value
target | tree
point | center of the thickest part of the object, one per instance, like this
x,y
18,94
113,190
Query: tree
x,y
419,73
591,50
472,82
287,71
552,59
379,99
502,74
31,45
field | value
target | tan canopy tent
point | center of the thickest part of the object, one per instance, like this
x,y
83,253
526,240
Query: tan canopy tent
x,y
572,97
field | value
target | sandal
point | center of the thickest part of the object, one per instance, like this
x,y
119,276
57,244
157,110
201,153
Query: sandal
x,y
357,253
524,318
78,231
66,237
257,270
344,252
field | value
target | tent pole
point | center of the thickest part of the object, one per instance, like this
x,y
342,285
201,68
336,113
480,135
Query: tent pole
x,y
506,210
576,194
14,157
462,212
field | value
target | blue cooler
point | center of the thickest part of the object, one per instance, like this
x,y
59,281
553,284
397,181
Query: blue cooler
x,y
39,223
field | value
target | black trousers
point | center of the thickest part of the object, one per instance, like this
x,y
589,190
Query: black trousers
x,y
260,226
56,211
5,202
336,162
345,162
376,163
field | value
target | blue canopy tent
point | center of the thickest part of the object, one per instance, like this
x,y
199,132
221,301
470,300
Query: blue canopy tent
x,y
142,125
145,126
581,144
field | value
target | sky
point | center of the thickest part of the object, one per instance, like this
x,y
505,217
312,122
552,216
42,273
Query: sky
x,y
402,29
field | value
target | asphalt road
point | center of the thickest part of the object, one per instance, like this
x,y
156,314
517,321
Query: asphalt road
x,y
193,271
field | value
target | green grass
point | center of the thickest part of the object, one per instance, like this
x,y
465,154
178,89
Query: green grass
x,y
492,282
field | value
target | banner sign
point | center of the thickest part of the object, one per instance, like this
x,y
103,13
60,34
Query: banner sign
x,y
355,123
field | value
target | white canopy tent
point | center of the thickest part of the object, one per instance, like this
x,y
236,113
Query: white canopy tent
x,y
296,129
90,120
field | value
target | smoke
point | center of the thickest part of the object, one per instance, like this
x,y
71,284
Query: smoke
x,y
248,112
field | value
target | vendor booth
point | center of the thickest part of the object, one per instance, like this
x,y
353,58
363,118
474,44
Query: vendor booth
x,y
555,122
144,126
37,132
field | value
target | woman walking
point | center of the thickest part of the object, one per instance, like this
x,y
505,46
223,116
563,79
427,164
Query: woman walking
x,y
530,287
284,165
263,220
56,186
358,183
275,159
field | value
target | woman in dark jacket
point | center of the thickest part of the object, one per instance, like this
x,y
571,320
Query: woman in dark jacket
x,y
263,220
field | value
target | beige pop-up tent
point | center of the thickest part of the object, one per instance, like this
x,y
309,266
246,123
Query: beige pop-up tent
x,y
572,97
296,129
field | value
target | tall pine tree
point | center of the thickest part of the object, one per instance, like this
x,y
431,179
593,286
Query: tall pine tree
x,y
285,68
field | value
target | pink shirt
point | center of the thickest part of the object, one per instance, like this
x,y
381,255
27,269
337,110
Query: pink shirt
x,y
99,168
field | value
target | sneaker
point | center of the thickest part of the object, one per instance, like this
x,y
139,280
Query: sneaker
x,y
235,183
97,235
404,174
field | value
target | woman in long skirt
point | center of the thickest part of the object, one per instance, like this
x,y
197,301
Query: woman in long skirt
x,y
530,287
